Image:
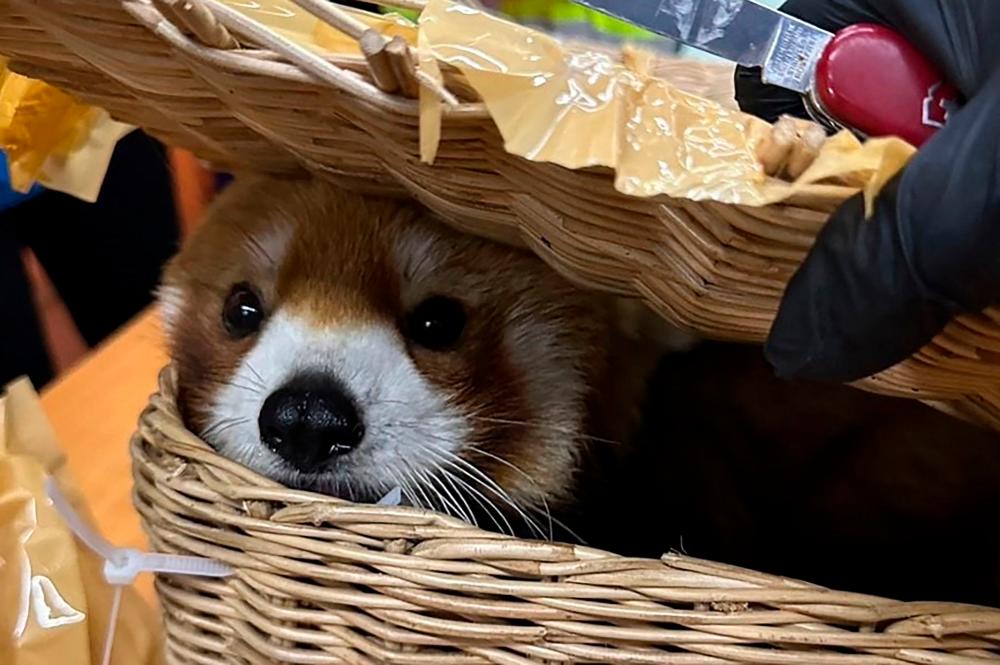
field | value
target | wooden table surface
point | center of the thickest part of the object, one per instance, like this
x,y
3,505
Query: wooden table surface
x,y
94,409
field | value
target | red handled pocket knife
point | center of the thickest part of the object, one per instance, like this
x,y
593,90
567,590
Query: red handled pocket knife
x,y
865,78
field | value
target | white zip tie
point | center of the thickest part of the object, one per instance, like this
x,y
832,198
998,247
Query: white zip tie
x,y
109,637
393,498
122,565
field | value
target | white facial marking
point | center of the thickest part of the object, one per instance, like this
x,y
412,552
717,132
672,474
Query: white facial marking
x,y
416,254
271,245
170,300
404,415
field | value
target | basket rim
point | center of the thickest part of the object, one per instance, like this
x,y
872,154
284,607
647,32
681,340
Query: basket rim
x,y
160,421
459,594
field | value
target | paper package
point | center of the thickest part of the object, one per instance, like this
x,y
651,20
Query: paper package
x,y
54,601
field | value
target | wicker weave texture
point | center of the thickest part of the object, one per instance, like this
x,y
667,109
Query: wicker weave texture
x,y
320,580
719,270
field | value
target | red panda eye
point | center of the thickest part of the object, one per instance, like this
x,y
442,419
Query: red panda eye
x,y
436,324
242,313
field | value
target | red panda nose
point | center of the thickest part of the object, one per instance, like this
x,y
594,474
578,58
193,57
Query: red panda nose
x,y
309,422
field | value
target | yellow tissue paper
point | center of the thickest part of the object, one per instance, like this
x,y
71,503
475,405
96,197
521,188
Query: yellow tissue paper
x,y
52,138
54,601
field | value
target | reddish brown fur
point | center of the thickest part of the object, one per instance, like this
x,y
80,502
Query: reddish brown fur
x,y
340,269
216,257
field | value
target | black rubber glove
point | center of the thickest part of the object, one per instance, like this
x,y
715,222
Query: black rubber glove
x,y
872,292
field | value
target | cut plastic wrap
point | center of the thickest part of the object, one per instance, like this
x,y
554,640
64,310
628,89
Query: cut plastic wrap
x,y
54,601
552,102
580,108
53,139
294,23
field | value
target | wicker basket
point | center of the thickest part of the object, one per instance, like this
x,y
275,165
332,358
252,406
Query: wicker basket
x,y
320,580
716,269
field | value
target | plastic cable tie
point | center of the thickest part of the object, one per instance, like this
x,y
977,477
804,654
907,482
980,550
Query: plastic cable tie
x,y
122,565
81,529
393,498
109,637
131,562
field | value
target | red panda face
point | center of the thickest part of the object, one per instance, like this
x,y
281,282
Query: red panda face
x,y
350,345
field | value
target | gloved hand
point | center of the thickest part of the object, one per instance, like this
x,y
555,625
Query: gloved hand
x,y
871,292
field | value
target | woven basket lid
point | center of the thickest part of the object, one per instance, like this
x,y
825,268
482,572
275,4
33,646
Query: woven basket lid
x,y
173,69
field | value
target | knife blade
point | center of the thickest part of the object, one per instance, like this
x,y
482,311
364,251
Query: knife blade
x,y
865,77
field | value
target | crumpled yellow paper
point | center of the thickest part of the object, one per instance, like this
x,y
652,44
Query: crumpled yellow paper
x,y
579,108
54,601
52,138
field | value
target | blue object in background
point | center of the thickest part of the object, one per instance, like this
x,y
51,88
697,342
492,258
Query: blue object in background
x,y
222,180
8,197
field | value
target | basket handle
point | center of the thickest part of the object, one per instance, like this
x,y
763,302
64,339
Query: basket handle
x,y
391,69
790,147
194,16
392,62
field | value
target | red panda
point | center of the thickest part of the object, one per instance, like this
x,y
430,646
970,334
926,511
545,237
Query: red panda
x,y
350,345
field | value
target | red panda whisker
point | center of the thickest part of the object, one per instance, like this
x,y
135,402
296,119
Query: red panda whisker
x,y
404,485
562,525
455,508
435,479
220,426
544,510
543,426
446,459
488,506
421,501
448,477
253,390
432,492
501,460
492,510
488,483
258,379
416,477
